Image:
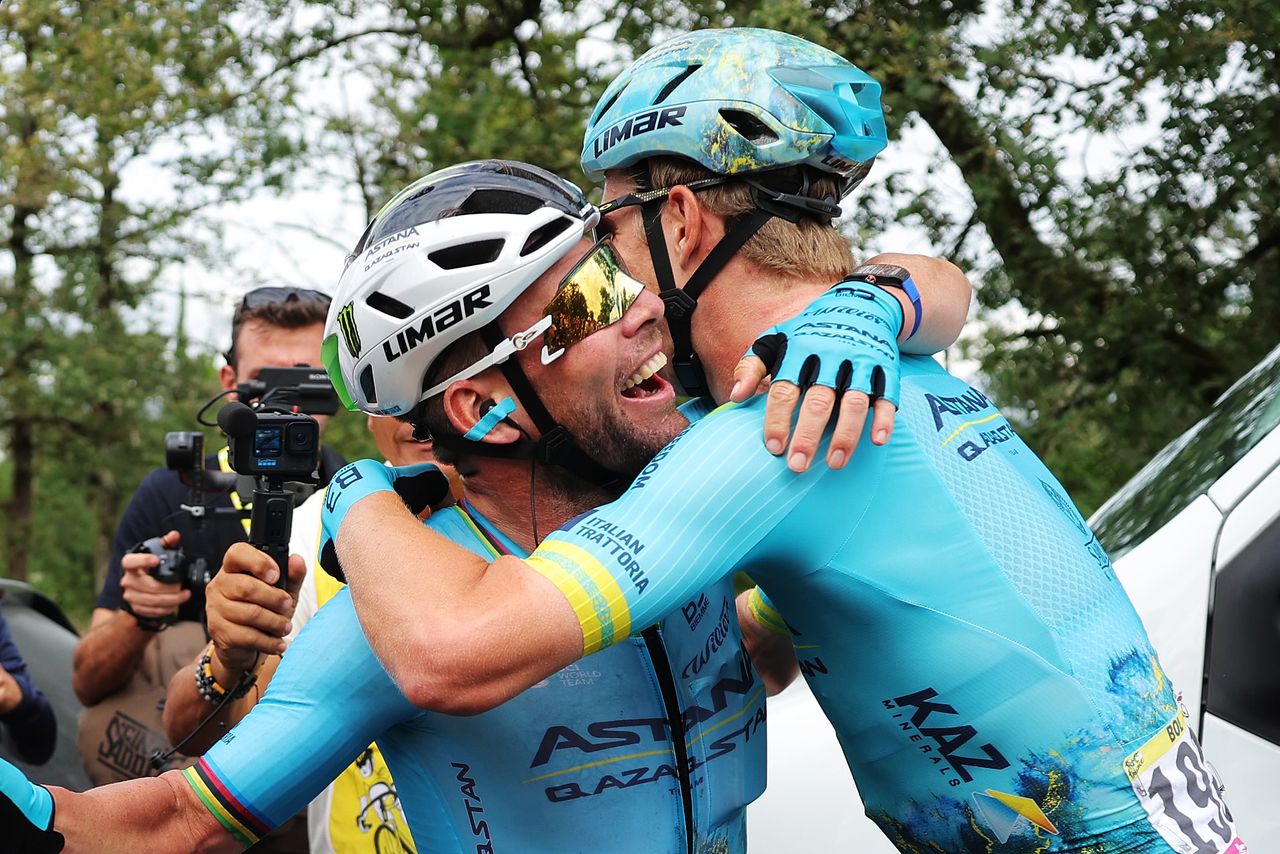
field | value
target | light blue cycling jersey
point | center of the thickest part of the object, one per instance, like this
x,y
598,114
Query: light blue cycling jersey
x,y
990,683
580,762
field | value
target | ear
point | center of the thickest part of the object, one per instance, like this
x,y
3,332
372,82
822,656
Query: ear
x,y
690,229
227,376
467,401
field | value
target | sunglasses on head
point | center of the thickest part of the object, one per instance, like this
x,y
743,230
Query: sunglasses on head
x,y
271,295
259,298
596,293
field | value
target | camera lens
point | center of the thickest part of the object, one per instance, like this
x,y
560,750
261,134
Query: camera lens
x,y
183,451
301,437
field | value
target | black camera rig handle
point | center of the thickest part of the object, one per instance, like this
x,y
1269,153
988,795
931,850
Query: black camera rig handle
x,y
270,523
271,519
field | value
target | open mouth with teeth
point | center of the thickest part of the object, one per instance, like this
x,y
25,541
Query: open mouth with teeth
x,y
645,382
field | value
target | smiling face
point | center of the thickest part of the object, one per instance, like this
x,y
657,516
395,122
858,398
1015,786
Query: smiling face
x,y
721,330
626,230
604,388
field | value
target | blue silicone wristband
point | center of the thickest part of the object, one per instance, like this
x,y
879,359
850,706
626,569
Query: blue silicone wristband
x,y
913,294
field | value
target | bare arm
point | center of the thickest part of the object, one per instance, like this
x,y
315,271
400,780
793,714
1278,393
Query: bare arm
x,y
945,294
160,814
107,655
184,708
772,653
110,652
457,634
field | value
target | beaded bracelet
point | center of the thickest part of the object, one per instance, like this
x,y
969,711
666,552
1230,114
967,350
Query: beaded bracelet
x,y
208,686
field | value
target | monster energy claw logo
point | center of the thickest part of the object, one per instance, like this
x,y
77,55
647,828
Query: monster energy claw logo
x,y
347,325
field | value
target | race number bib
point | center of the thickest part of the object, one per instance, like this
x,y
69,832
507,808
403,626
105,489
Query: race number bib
x,y
1179,793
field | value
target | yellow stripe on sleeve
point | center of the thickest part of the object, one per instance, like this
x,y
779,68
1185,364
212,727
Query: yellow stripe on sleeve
x,y
766,615
242,834
591,590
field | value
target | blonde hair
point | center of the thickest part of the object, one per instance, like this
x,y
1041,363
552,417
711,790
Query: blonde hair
x,y
807,249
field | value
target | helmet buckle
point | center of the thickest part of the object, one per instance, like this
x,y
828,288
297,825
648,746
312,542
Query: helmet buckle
x,y
793,206
679,305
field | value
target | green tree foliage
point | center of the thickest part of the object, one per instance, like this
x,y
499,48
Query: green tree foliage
x,y
439,82
1107,176
99,102
1142,281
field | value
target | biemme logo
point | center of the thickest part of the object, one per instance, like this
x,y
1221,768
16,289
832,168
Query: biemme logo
x,y
347,326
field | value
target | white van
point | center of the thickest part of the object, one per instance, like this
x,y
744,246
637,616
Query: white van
x,y
1195,537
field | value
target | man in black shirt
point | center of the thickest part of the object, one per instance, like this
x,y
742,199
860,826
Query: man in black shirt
x,y
123,664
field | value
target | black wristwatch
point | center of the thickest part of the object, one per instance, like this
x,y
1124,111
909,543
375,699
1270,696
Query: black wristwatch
x,y
891,276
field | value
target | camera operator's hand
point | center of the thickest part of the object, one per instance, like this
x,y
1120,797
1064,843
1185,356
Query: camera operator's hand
x,y
247,613
146,597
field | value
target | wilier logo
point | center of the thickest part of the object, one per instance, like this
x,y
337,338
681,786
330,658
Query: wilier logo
x,y
347,326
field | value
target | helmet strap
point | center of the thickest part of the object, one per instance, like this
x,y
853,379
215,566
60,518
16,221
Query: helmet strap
x,y
793,207
680,302
556,447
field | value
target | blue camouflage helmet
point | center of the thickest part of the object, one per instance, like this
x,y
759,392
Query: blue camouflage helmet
x,y
739,101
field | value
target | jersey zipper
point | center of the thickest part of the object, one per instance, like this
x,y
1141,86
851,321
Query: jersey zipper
x,y
659,664
675,722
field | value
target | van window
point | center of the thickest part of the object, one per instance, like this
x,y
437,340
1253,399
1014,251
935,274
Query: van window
x,y
1188,466
1243,680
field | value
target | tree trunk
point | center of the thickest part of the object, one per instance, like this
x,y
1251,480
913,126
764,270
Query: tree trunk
x,y
1040,274
25,342
106,508
22,501
19,509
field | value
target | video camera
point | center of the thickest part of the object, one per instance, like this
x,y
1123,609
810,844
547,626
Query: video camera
x,y
272,438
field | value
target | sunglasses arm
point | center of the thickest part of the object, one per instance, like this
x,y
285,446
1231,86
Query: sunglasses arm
x,y
505,350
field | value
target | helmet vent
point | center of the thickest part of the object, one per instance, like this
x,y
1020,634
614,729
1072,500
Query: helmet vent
x,y
379,301
544,234
749,126
674,82
367,386
467,254
500,201
604,108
